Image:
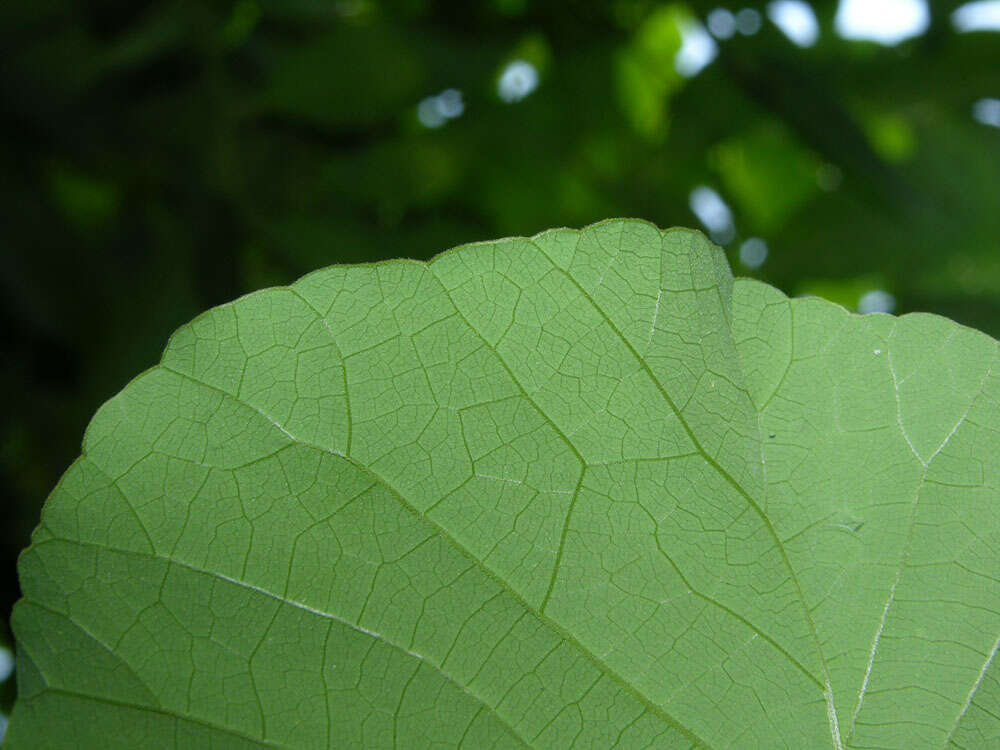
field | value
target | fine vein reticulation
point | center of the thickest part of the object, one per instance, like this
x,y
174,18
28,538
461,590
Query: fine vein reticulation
x,y
577,490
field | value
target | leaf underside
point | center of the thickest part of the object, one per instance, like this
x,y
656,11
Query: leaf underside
x,y
579,490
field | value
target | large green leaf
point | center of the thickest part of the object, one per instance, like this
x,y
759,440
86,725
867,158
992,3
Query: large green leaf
x,y
578,490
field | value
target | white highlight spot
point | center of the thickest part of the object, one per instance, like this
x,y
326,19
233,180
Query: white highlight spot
x,y
983,15
987,111
876,301
6,663
713,212
877,352
887,22
722,23
796,20
450,104
517,81
697,49
435,111
753,252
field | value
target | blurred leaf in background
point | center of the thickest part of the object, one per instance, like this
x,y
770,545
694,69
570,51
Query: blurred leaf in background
x,y
165,156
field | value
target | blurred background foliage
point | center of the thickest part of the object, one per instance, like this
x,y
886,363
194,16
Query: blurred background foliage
x,y
162,157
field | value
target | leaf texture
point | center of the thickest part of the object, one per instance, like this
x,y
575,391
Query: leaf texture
x,y
582,490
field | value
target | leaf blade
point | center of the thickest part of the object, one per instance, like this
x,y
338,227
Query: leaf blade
x,y
563,481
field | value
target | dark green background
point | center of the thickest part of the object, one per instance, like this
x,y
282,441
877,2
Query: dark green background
x,y
158,158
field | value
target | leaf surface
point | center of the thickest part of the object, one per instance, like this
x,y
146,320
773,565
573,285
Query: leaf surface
x,y
577,490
